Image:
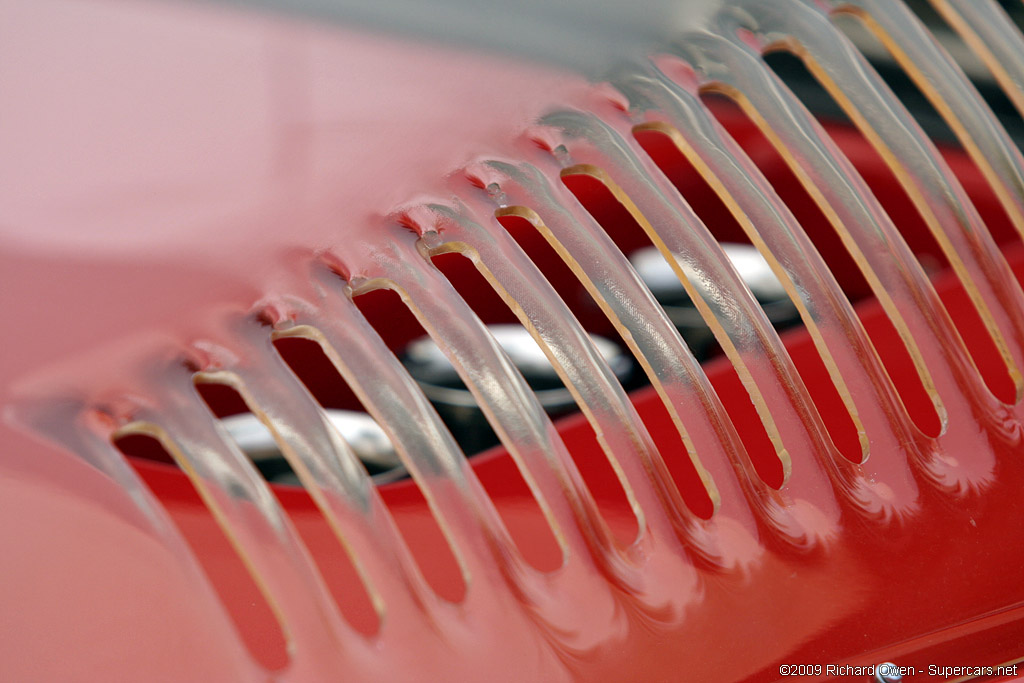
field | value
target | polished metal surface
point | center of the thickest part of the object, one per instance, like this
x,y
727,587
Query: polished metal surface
x,y
441,383
752,268
367,440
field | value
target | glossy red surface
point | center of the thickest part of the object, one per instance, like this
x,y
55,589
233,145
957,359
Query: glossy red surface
x,y
163,163
824,610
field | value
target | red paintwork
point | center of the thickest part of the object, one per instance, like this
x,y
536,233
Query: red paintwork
x,y
158,164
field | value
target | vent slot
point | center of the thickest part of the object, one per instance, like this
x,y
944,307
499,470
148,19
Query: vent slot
x,y
227,570
889,183
333,563
629,236
539,546
672,449
890,347
891,73
956,100
597,472
826,397
423,536
525,220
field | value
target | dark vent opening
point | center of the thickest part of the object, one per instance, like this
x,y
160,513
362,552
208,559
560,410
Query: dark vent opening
x,y
898,205
912,97
225,402
144,447
221,399
558,273
842,428
504,484
312,366
629,236
390,317
440,569
597,472
893,353
1015,11
673,453
593,319
399,328
762,153
949,37
701,197
600,201
748,424
334,564
896,78
230,578
438,565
